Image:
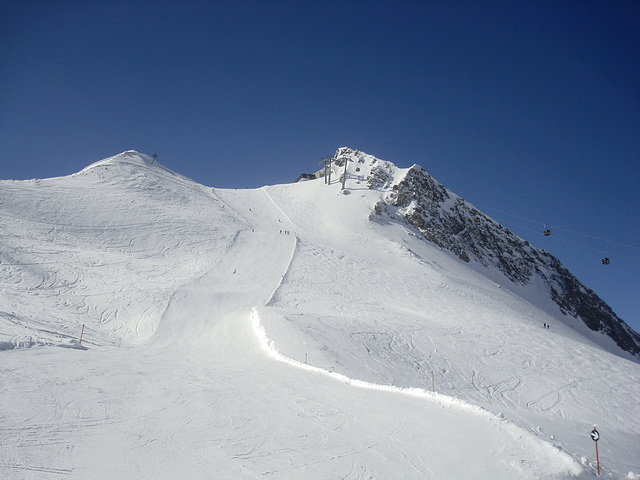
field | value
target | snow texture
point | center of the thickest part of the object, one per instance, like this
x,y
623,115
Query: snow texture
x,y
290,331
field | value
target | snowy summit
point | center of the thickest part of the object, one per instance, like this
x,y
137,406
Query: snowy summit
x,y
365,323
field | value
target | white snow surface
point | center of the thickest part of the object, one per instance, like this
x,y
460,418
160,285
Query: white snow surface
x,y
279,332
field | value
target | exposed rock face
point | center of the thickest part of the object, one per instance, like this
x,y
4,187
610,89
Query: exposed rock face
x,y
448,221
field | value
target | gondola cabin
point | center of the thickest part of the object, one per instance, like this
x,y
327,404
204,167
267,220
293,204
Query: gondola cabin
x,y
546,232
605,261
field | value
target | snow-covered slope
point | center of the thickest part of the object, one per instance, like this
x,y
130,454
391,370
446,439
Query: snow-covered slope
x,y
105,247
446,220
281,332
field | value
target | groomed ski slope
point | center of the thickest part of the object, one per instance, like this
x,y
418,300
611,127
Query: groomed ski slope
x,y
199,314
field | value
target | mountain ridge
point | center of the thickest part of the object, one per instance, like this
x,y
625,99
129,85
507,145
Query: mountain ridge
x,y
441,217
448,221
160,276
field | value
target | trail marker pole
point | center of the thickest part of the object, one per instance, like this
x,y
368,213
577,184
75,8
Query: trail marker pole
x,y
305,359
595,436
81,334
433,383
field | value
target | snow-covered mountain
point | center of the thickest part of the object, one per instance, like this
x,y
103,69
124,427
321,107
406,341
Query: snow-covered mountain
x,y
446,220
374,327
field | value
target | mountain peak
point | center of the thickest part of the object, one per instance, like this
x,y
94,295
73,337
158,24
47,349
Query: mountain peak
x,y
190,278
130,165
449,222
130,157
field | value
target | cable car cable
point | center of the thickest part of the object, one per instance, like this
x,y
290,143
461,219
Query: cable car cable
x,y
548,226
537,232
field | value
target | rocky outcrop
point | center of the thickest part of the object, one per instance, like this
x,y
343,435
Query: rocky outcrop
x,y
448,221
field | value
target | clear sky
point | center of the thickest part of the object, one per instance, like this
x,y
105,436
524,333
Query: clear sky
x,y
529,110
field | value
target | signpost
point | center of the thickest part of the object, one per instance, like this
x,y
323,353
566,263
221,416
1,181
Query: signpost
x,y
595,436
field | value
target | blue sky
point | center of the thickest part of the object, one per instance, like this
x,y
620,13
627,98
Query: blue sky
x,y
529,110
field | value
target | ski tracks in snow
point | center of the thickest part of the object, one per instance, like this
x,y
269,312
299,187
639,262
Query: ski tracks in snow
x,y
208,398
327,423
432,403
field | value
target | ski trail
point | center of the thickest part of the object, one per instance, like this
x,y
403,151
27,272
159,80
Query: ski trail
x,y
263,189
517,434
270,349
511,430
269,301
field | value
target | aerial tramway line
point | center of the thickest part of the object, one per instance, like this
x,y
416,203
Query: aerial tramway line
x,y
546,232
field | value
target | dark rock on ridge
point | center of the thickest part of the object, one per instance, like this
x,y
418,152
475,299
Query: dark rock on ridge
x,y
451,223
